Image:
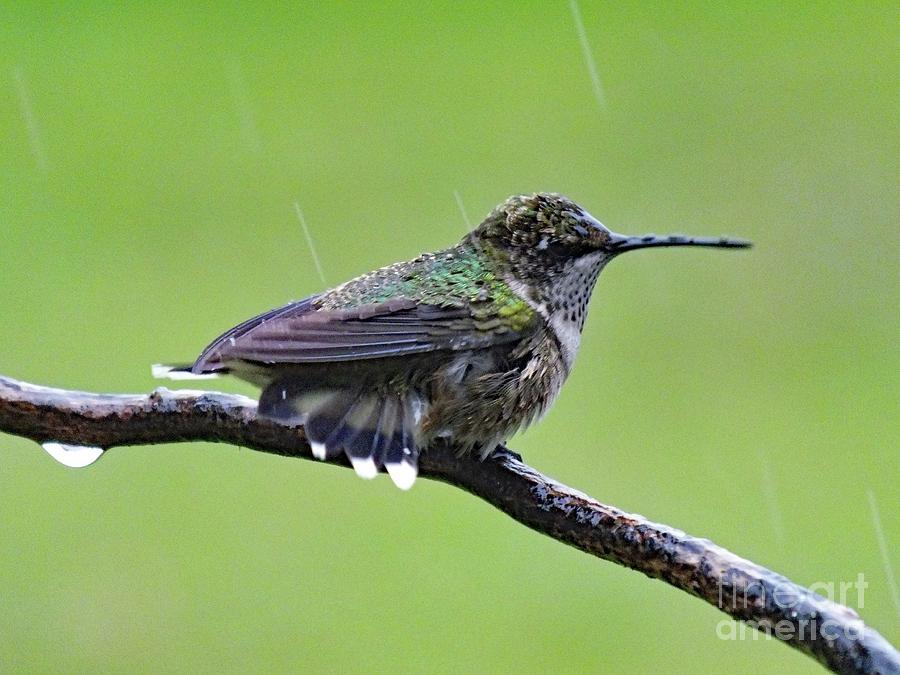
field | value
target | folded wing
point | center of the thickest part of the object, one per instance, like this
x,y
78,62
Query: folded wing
x,y
300,333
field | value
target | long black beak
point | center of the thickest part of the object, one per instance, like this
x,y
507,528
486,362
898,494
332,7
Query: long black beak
x,y
619,243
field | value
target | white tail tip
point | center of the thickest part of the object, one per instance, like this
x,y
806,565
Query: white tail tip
x,y
403,474
319,450
364,467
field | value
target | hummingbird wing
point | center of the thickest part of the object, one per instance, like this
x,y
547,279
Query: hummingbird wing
x,y
300,333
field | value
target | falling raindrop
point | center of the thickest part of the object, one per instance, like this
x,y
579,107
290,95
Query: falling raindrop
x,y
462,209
309,242
75,456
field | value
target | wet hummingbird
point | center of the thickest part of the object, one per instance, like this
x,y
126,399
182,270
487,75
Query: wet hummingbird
x,y
469,344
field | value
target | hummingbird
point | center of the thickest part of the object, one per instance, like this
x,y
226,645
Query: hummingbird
x,y
468,344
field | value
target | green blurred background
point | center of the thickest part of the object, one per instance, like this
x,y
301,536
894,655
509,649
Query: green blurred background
x,y
151,158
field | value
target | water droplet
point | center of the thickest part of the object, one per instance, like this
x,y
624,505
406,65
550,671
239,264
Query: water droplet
x,y
74,456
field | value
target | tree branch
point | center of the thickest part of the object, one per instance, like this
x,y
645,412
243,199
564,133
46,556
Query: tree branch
x,y
831,633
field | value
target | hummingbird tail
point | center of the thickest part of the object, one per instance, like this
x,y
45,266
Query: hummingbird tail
x,y
375,429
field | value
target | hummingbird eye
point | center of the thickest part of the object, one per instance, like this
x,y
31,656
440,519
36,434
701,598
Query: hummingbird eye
x,y
554,248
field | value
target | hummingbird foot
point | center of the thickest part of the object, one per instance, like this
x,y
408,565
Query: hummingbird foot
x,y
501,452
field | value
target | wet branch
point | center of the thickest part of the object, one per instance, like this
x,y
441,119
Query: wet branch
x,y
831,633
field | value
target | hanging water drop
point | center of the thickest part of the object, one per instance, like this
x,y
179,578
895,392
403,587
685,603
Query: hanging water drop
x,y
74,456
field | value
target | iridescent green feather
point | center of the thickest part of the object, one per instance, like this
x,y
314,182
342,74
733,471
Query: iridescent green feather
x,y
457,277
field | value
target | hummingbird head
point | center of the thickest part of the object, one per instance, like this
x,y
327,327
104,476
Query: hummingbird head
x,y
546,229
551,231
556,248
